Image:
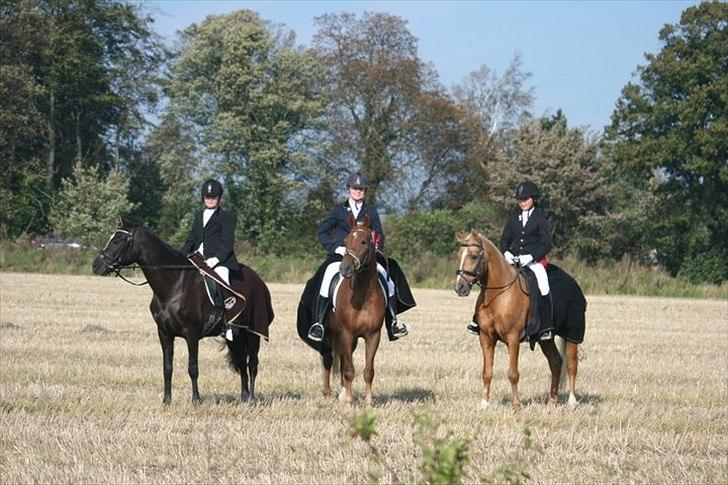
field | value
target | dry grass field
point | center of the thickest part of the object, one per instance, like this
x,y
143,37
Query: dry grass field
x,y
81,391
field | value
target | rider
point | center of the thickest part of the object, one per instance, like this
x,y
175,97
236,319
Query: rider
x,y
212,236
526,241
331,234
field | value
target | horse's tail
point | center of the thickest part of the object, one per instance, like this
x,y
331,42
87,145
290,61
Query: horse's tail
x,y
237,356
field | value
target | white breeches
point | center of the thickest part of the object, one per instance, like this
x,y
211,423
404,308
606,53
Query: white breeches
x,y
333,268
541,278
223,272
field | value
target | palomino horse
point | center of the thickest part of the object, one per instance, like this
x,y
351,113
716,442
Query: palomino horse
x,y
180,305
501,312
359,312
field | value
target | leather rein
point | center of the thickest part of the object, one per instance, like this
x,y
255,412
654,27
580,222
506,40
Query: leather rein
x,y
114,263
475,278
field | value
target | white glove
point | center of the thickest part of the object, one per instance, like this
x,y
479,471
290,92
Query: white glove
x,y
212,262
510,259
340,250
524,259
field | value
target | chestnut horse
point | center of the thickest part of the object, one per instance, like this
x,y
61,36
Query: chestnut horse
x,y
501,313
359,312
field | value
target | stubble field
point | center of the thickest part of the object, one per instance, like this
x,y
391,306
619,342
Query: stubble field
x,y
81,390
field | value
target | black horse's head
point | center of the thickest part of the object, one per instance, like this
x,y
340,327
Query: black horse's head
x,y
119,252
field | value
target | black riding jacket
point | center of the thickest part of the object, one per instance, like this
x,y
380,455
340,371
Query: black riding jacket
x,y
534,238
217,236
335,227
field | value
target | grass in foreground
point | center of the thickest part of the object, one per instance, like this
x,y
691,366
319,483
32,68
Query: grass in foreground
x,y
81,389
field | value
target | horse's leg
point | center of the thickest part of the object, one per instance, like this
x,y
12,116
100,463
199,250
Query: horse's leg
x,y
548,347
240,348
346,341
572,357
513,349
327,360
167,341
487,345
193,346
372,343
253,342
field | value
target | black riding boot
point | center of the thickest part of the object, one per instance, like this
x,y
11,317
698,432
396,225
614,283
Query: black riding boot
x,y
316,332
473,326
395,330
547,318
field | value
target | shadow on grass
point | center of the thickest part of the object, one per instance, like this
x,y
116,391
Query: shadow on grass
x,y
583,399
408,395
261,398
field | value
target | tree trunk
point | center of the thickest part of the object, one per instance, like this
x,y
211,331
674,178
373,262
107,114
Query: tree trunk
x,y
78,137
51,139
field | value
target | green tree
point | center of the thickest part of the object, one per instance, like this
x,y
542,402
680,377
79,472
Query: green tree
x,y
669,136
565,163
249,95
88,207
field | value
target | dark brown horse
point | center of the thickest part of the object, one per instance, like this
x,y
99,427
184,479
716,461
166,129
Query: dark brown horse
x,y
501,312
180,305
359,312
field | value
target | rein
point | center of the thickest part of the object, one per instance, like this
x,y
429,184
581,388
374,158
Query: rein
x,y
116,266
478,275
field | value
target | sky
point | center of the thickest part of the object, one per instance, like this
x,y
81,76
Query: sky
x,y
580,54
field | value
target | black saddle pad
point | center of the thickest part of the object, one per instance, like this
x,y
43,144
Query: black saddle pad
x,y
569,305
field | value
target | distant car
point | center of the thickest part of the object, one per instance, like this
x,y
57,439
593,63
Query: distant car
x,y
56,242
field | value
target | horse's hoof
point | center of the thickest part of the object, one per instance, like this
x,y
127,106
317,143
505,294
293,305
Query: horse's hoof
x,y
167,400
196,400
517,406
573,402
484,404
326,392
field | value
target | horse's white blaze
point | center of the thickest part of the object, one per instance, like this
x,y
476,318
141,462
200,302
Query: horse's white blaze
x,y
462,262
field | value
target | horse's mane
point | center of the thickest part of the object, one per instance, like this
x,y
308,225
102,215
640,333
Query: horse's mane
x,y
168,250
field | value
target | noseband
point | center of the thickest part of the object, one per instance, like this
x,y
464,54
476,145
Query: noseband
x,y
474,276
359,262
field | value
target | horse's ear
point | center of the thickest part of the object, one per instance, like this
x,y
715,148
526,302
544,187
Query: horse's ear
x,y
124,222
367,221
352,221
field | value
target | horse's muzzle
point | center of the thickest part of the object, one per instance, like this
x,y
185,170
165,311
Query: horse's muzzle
x,y
346,271
462,289
100,267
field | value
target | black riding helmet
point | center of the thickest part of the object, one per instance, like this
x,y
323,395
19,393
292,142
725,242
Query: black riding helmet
x,y
357,179
211,188
526,190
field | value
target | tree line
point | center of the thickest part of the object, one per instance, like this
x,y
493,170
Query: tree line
x,y
99,117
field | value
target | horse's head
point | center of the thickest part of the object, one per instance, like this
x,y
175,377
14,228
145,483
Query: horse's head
x,y
119,252
473,263
359,247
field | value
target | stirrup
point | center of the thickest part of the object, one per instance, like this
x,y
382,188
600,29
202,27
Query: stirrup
x,y
547,335
473,328
316,332
400,329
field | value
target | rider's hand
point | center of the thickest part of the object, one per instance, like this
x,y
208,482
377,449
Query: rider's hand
x,y
524,259
212,262
341,250
510,259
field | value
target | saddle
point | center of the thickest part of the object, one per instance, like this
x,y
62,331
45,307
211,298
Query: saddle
x,y
232,295
336,282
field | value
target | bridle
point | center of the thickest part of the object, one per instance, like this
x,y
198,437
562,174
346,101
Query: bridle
x,y
114,263
477,275
360,262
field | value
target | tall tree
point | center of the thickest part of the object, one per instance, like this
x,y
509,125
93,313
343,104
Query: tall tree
x,y
248,94
671,125
375,82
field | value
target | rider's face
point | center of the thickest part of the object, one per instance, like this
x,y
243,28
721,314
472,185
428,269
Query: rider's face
x,y
525,204
357,193
211,202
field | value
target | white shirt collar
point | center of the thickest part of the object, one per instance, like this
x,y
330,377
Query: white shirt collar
x,y
355,207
